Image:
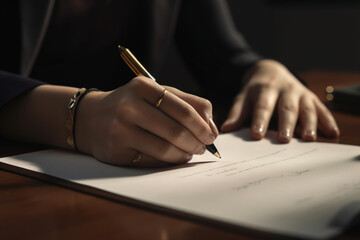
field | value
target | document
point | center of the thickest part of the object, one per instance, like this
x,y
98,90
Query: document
x,y
300,189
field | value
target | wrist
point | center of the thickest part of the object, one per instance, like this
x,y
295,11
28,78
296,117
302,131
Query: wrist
x,y
85,124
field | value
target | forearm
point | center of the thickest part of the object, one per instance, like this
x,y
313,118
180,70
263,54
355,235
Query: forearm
x,y
38,116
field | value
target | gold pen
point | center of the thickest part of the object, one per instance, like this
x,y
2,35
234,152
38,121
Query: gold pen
x,y
139,70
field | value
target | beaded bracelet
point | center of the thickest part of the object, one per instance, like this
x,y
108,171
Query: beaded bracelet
x,y
71,115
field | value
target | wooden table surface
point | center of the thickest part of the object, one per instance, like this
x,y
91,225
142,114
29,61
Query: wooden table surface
x,y
33,209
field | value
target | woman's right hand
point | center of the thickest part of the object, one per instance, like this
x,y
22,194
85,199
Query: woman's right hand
x,y
114,126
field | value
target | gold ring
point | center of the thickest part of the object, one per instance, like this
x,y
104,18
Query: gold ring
x,y
137,157
161,97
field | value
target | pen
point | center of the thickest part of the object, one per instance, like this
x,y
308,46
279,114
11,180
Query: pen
x,y
139,70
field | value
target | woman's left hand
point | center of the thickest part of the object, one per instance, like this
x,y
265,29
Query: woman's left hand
x,y
269,86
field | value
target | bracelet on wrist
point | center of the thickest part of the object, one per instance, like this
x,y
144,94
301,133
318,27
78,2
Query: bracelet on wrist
x,y
71,115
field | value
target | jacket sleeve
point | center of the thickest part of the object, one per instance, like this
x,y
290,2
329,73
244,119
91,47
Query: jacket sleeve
x,y
13,85
215,52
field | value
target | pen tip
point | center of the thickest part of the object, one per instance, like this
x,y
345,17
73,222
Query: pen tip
x,y
217,154
121,47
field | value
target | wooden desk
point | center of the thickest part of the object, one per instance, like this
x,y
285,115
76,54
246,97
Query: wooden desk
x,y
30,208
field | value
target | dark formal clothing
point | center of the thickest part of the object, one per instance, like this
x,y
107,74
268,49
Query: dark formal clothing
x,y
74,43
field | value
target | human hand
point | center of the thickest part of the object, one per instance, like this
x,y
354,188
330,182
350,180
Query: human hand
x,y
270,85
114,126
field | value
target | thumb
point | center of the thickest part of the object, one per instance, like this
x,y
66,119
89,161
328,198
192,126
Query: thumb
x,y
237,114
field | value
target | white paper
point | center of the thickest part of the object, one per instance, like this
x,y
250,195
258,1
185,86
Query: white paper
x,y
309,190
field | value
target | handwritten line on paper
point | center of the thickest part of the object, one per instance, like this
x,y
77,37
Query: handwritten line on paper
x,y
235,166
266,179
235,163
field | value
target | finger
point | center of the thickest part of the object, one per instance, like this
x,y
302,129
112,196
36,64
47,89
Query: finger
x,y
237,114
288,113
326,121
118,156
165,127
144,160
263,109
134,158
156,147
185,114
201,105
308,118
176,108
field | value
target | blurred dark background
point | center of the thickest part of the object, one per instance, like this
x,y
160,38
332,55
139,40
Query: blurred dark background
x,y
304,35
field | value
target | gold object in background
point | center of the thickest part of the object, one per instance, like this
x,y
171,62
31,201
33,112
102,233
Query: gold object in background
x,y
329,90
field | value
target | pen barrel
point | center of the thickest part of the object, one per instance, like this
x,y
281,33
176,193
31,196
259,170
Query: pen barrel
x,y
133,63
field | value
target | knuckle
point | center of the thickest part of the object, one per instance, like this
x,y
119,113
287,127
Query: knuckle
x,y
126,108
176,133
266,85
165,150
134,83
288,107
307,109
169,153
206,104
262,92
263,105
260,87
290,87
186,113
138,83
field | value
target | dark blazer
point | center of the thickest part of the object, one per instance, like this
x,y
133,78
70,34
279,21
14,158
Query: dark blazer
x,y
219,54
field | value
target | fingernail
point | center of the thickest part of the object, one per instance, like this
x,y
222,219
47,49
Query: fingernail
x,y
189,156
310,134
258,128
201,150
285,133
213,127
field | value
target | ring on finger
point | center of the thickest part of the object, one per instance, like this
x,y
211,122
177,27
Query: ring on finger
x,y
161,98
137,157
